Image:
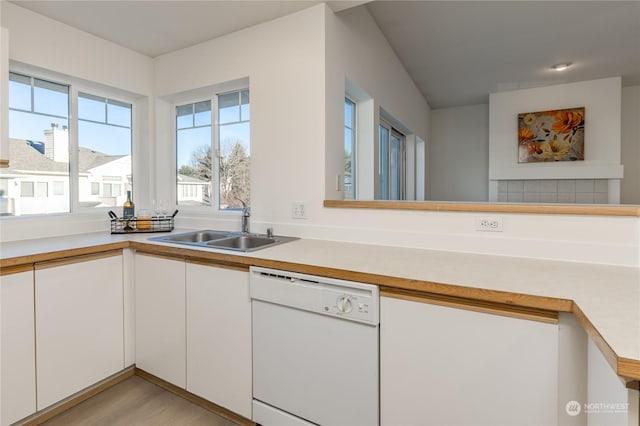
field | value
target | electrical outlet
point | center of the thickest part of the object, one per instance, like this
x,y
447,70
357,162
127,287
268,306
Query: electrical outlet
x,y
491,224
298,211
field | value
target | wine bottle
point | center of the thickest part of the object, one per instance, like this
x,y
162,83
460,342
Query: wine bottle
x,y
128,208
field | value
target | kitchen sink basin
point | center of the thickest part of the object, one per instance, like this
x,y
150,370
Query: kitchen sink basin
x,y
194,237
224,240
244,242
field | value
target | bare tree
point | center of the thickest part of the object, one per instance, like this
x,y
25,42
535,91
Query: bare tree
x,y
234,164
234,175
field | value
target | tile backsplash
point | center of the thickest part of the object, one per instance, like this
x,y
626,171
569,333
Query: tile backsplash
x,y
579,191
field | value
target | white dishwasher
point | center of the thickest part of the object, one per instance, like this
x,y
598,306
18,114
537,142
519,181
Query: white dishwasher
x,y
315,350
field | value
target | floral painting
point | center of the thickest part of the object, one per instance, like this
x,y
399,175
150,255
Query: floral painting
x,y
556,135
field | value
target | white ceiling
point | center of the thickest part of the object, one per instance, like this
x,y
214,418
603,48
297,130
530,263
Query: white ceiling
x,y
457,52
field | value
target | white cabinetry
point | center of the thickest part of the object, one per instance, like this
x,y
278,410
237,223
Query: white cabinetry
x,y
219,336
160,317
444,366
79,324
609,402
18,373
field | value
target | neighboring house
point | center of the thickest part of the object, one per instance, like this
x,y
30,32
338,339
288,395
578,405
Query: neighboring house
x,y
192,191
35,183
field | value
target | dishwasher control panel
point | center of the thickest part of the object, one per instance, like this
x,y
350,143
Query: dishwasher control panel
x,y
329,296
347,304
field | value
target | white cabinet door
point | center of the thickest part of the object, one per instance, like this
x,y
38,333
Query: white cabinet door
x,y
18,373
160,317
609,402
79,325
219,336
445,366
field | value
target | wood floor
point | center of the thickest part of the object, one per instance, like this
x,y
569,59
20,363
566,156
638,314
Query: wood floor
x,y
137,402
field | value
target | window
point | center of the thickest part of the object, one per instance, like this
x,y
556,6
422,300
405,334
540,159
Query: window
x,y
213,161
349,149
42,189
104,148
39,140
44,130
26,189
58,188
391,164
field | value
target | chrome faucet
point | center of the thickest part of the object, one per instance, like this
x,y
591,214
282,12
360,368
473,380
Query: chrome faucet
x,y
246,214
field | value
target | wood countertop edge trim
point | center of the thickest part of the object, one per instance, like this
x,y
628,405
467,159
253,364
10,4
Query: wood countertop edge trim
x,y
487,307
60,254
624,367
567,209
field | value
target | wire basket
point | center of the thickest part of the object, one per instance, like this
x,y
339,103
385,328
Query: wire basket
x,y
120,225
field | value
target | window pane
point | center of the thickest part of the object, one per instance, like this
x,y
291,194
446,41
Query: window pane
x,y
193,155
202,116
91,108
229,108
234,163
349,189
19,92
348,113
42,189
58,188
38,147
235,150
119,113
50,98
395,168
104,151
245,111
184,110
26,189
383,162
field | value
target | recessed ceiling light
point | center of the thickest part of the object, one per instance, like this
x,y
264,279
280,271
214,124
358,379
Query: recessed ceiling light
x,y
561,66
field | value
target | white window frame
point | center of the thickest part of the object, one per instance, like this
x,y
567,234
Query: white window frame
x,y
209,93
77,85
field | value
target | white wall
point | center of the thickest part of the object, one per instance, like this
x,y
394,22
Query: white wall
x,y
630,150
459,155
291,130
39,43
602,101
357,50
284,62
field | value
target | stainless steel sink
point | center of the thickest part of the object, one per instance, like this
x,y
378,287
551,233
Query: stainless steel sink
x,y
244,242
236,241
193,237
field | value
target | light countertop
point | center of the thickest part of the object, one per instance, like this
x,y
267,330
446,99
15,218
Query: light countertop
x,y
608,296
